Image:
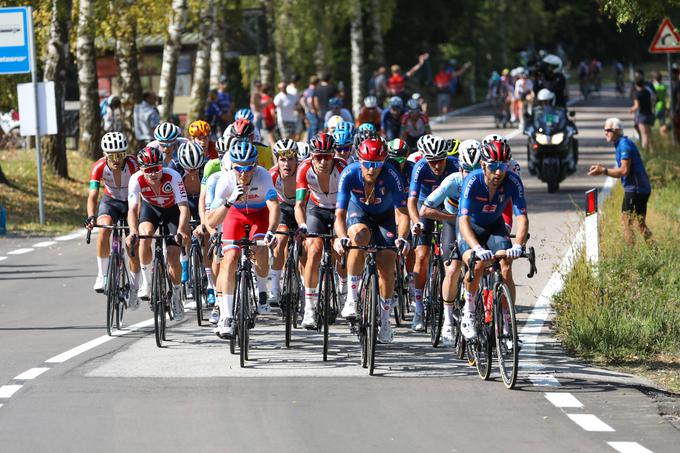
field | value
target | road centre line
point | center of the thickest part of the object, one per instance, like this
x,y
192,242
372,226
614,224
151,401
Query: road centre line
x,y
68,237
563,399
628,447
6,391
44,244
20,251
590,422
3,258
31,374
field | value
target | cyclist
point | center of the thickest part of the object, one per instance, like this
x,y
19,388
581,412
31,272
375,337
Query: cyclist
x,y
427,174
245,130
303,151
369,193
335,108
247,114
370,112
485,193
315,198
162,196
167,138
244,195
199,132
343,136
514,167
418,153
283,177
390,120
447,196
414,123
332,123
115,169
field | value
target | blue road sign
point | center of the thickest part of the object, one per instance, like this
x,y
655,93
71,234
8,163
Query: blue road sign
x,y
15,43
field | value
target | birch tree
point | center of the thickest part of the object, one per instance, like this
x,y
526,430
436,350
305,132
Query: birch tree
x,y
199,86
217,48
171,49
356,35
378,49
90,118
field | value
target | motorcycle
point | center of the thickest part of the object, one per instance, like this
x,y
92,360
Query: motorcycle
x,y
552,148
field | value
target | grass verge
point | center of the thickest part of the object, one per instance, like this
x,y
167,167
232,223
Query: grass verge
x,y
65,200
628,315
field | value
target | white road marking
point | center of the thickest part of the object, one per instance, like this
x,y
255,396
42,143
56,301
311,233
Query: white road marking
x,y
20,251
562,399
590,422
44,244
31,374
544,380
628,447
1,405
68,237
6,391
3,258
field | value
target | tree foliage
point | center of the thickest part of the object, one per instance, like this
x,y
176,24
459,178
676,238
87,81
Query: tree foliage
x,y
639,12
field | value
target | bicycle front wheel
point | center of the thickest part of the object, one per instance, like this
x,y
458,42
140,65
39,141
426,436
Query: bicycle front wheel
x,y
243,319
196,265
507,349
111,294
325,307
123,288
482,346
158,302
436,311
373,321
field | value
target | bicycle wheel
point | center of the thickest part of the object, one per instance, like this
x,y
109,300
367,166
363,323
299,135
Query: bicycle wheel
x,y
399,291
243,319
458,338
123,289
196,265
482,347
111,295
506,336
287,298
362,321
373,320
233,341
324,306
436,311
157,300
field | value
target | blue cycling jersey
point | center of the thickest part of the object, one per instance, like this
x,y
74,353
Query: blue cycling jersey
x,y
448,194
404,172
637,180
474,201
424,181
390,125
389,190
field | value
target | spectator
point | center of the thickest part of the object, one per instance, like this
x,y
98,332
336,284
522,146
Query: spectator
x,y
292,89
336,108
660,108
146,117
286,115
112,117
225,103
214,113
523,89
307,103
644,116
446,83
631,170
322,94
370,113
379,85
675,103
396,84
256,104
268,114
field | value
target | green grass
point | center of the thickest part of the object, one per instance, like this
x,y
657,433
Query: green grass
x,y
628,315
65,200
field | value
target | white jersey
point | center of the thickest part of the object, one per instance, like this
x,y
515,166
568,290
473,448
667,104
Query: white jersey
x,y
210,187
257,193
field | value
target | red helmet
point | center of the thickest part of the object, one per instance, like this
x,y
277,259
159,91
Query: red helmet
x,y
149,157
322,143
496,150
372,149
243,128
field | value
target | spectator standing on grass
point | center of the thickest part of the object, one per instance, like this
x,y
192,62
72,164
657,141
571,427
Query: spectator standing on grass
x,y
322,94
675,93
112,116
256,104
286,114
644,115
631,170
146,117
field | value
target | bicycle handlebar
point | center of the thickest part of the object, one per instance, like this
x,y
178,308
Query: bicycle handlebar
x,y
529,254
247,242
177,239
366,248
105,227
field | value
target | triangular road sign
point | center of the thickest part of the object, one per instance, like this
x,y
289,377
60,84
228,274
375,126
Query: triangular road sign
x,y
666,40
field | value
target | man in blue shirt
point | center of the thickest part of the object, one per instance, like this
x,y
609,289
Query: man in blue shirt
x,y
631,170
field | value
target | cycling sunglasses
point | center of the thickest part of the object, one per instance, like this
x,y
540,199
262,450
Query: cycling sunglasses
x,y
469,168
153,170
320,157
243,168
343,149
368,164
495,166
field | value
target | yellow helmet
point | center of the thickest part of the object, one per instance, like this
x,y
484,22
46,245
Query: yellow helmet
x,y
199,128
452,145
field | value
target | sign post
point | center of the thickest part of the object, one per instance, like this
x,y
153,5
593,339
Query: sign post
x,y
17,56
667,40
592,237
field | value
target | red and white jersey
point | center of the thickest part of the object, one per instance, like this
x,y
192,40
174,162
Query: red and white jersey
x,y
308,181
415,156
101,172
277,179
415,127
171,191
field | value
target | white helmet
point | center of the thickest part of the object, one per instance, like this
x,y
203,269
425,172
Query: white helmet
x,y
434,148
303,150
421,140
114,142
470,153
492,138
190,156
333,122
554,61
370,102
545,95
283,145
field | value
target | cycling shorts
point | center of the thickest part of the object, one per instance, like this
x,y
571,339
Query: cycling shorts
x,y
288,216
383,226
193,205
116,209
448,238
154,215
635,203
234,225
493,237
320,220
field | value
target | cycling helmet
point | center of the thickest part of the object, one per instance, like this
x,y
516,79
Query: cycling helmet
x,y
166,133
149,156
367,127
372,149
470,153
199,128
342,136
396,102
190,156
335,103
412,105
244,113
496,151
243,152
303,150
434,148
333,122
322,143
347,126
285,148
114,142
224,144
492,137
397,148
452,146
362,135
243,129
416,96
370,102
554,61
545,95
421,140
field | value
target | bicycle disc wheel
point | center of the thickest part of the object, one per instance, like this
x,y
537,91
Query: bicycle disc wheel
x,y
157,297
324,305
373,320
243,319
436,304
506,336
111,294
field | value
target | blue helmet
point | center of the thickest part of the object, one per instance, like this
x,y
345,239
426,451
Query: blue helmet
x,y
396,103
166,132
343,137
347,126
243,152
245,113
334,103
367,127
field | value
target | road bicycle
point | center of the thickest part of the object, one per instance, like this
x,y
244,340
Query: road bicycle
x,y
198,280
327,308
290,293
432,295
401,292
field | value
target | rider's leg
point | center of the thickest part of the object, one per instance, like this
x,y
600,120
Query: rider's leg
x,y
360,235
279,258
314,247
226,280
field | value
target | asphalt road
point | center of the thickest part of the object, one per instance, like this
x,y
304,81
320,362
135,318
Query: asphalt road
x,y
124,394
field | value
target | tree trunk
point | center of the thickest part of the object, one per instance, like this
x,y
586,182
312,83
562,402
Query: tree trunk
x,y
128,72
266,69
54,146
90,118
199,86
268,61
171,49
217,50
357,57
281,22
378,50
